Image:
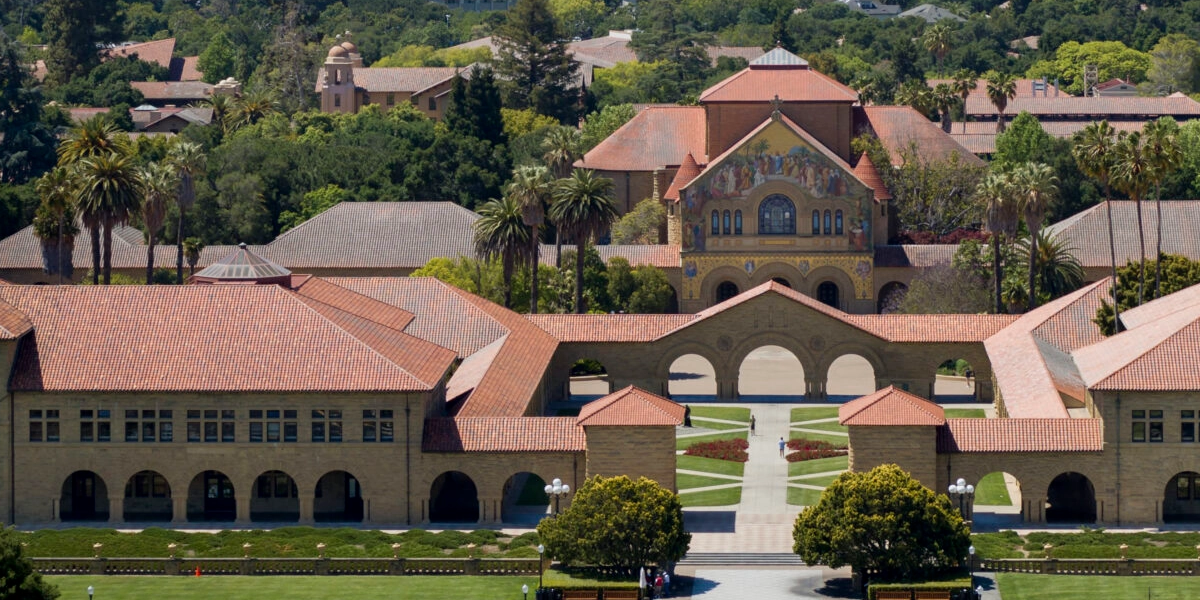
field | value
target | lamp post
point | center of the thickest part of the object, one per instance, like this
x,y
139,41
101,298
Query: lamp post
x,y
541,563
557,489
978,592
525,591
964,492
91,592
971,563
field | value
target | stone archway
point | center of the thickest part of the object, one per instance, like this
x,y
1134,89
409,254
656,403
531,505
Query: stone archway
x,y
211,497
453,498
850,376
147,497
338,497
773,372
84,497
692,376
275,497
890,296
1071,498
1181,498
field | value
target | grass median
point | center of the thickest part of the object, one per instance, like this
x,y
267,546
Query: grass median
x,y
294,588
1021,586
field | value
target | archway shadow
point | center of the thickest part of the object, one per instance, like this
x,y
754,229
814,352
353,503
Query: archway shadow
x,y
694,586
836,587
710,521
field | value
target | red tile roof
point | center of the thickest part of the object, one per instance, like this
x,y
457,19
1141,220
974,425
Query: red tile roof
x,y
891,406
1090,106
914,255
158,51
980,136
1161,307
22,250
631,406
1072,327
898,127
1024,87
662,256
866,172
932,328
655,137
608,328
173,91
13,323
688,171
790,83
191,338
1157,356
186,68
1020,435
500,434
412,80
1085,234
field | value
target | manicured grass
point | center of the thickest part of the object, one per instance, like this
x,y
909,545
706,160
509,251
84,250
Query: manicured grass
x,y
820,465
1021,586
686,481
826,426
824,437
991,491
682,443
803,497
709,465
698,422
294,588
725,497
965,413
728,413
808,413
1089,543
822,481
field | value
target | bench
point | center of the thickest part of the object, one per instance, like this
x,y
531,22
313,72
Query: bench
x,y
620,595
933,595
580,594
893,595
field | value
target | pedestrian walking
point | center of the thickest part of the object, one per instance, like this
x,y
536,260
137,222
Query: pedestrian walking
x,y
666,583
687,415
752,422
782,445
658,586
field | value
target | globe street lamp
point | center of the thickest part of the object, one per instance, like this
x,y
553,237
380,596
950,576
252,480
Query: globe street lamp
x,y
971,563
556,490
964,493
525,591
541,549
91,592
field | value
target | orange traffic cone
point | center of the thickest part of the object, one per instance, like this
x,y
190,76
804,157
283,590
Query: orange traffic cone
x,y
197,570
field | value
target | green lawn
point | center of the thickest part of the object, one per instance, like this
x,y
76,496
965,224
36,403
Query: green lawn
x,y
808,413
991,491
709,465
826,426
698,422
1021,586
687,482
723,497
822,481
824,437
682,443
805,497
820,465
294,588
965,413
728,413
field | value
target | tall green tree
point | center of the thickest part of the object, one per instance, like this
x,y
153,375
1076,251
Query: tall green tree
x,y
964,83
583,209
944,99
997,193
561,148
1179,272
938,41
884,523
219,59
1037,186
20,580
532,63
531,188
1094,149
28,147
1133,174
111,191
188,160
1165,154
501,234
94,137
159,181
1022,141
74,29
55,220
1058,272
1174,65
665,33
474,107
1001,87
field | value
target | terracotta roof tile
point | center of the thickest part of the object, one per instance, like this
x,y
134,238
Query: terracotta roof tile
x,y
608,328
1091,106
158,52
472,369
22,250
866,172
1156,356
899,126
204,338
1024,87
173,91
655,137
1020,435
631,406
186,68
662,256
688,171
412,80
1072,327
932,328
1161,307
13,322
499,434
1086,233
980,136
891,406
914,255
768,79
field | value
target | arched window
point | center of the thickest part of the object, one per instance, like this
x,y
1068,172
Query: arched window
x,y
776,215
828,229
725,229
716,223
726,290
337,100
737,222
827,292
816,222
837,223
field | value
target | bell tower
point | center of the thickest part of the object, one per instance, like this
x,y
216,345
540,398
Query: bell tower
x,y
337,85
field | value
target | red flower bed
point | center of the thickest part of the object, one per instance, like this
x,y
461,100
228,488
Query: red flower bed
x,y
732,450
803,449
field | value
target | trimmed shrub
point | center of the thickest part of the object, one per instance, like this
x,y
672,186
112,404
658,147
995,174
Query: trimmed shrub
x,y
803,449
958,588
731,450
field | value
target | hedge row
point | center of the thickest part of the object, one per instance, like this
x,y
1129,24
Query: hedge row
x,y
956,587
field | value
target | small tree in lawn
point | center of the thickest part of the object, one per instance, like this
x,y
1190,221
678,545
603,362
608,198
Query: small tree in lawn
x,y
882,522
618,523
18,580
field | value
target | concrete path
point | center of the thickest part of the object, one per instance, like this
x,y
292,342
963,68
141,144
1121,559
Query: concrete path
x,y
767,583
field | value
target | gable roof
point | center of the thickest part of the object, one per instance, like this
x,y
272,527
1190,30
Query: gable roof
x,y
1020,435
631,406
177,91
899,126
158,51
13,322
1160,307
891,406
930,13
688,171
1156,356
778,74
412,80
23,250
608,328
866,172
1050,107
655,137
1085,233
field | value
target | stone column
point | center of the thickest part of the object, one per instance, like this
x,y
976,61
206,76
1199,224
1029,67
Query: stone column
x,y
243,509
727,389
178,509
306,510
116,509
55,510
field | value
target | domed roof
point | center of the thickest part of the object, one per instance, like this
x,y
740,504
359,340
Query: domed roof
x,y
243,266
337,52
350,47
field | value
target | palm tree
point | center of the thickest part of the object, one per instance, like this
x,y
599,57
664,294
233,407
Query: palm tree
x,y
1058,271
193,247
1037,185
159,182
937,40
917,95
110,191
57,190
500,232
944,99
1162,147
188,161
584,208
96,136
1093,150
561,148
1001,87
531,188
254,107
224,109
998,195
1133,173
964,83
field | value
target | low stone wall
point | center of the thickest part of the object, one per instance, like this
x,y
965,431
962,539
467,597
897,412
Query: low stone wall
x,y
286,566
1089,566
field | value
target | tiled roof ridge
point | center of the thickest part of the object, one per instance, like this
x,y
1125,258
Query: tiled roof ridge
x,y
1152,335
866,172
857,406
630,392
1032,434
763,288
311,282
1174,302
689,169
14,323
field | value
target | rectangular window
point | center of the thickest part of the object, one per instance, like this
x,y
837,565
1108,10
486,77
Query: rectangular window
x,y
378,426
391,99
148,431
35,431
104,431
43,425
89,426
131,431
337,100
1139,426
289,432
193,431
433,104
207,425
256,431
1156,426
210,431
1187,426
51,431
87,431
227,431
166,431
272,431
326,425
318,431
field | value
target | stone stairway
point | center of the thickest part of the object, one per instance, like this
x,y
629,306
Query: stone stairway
x,y
756,559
